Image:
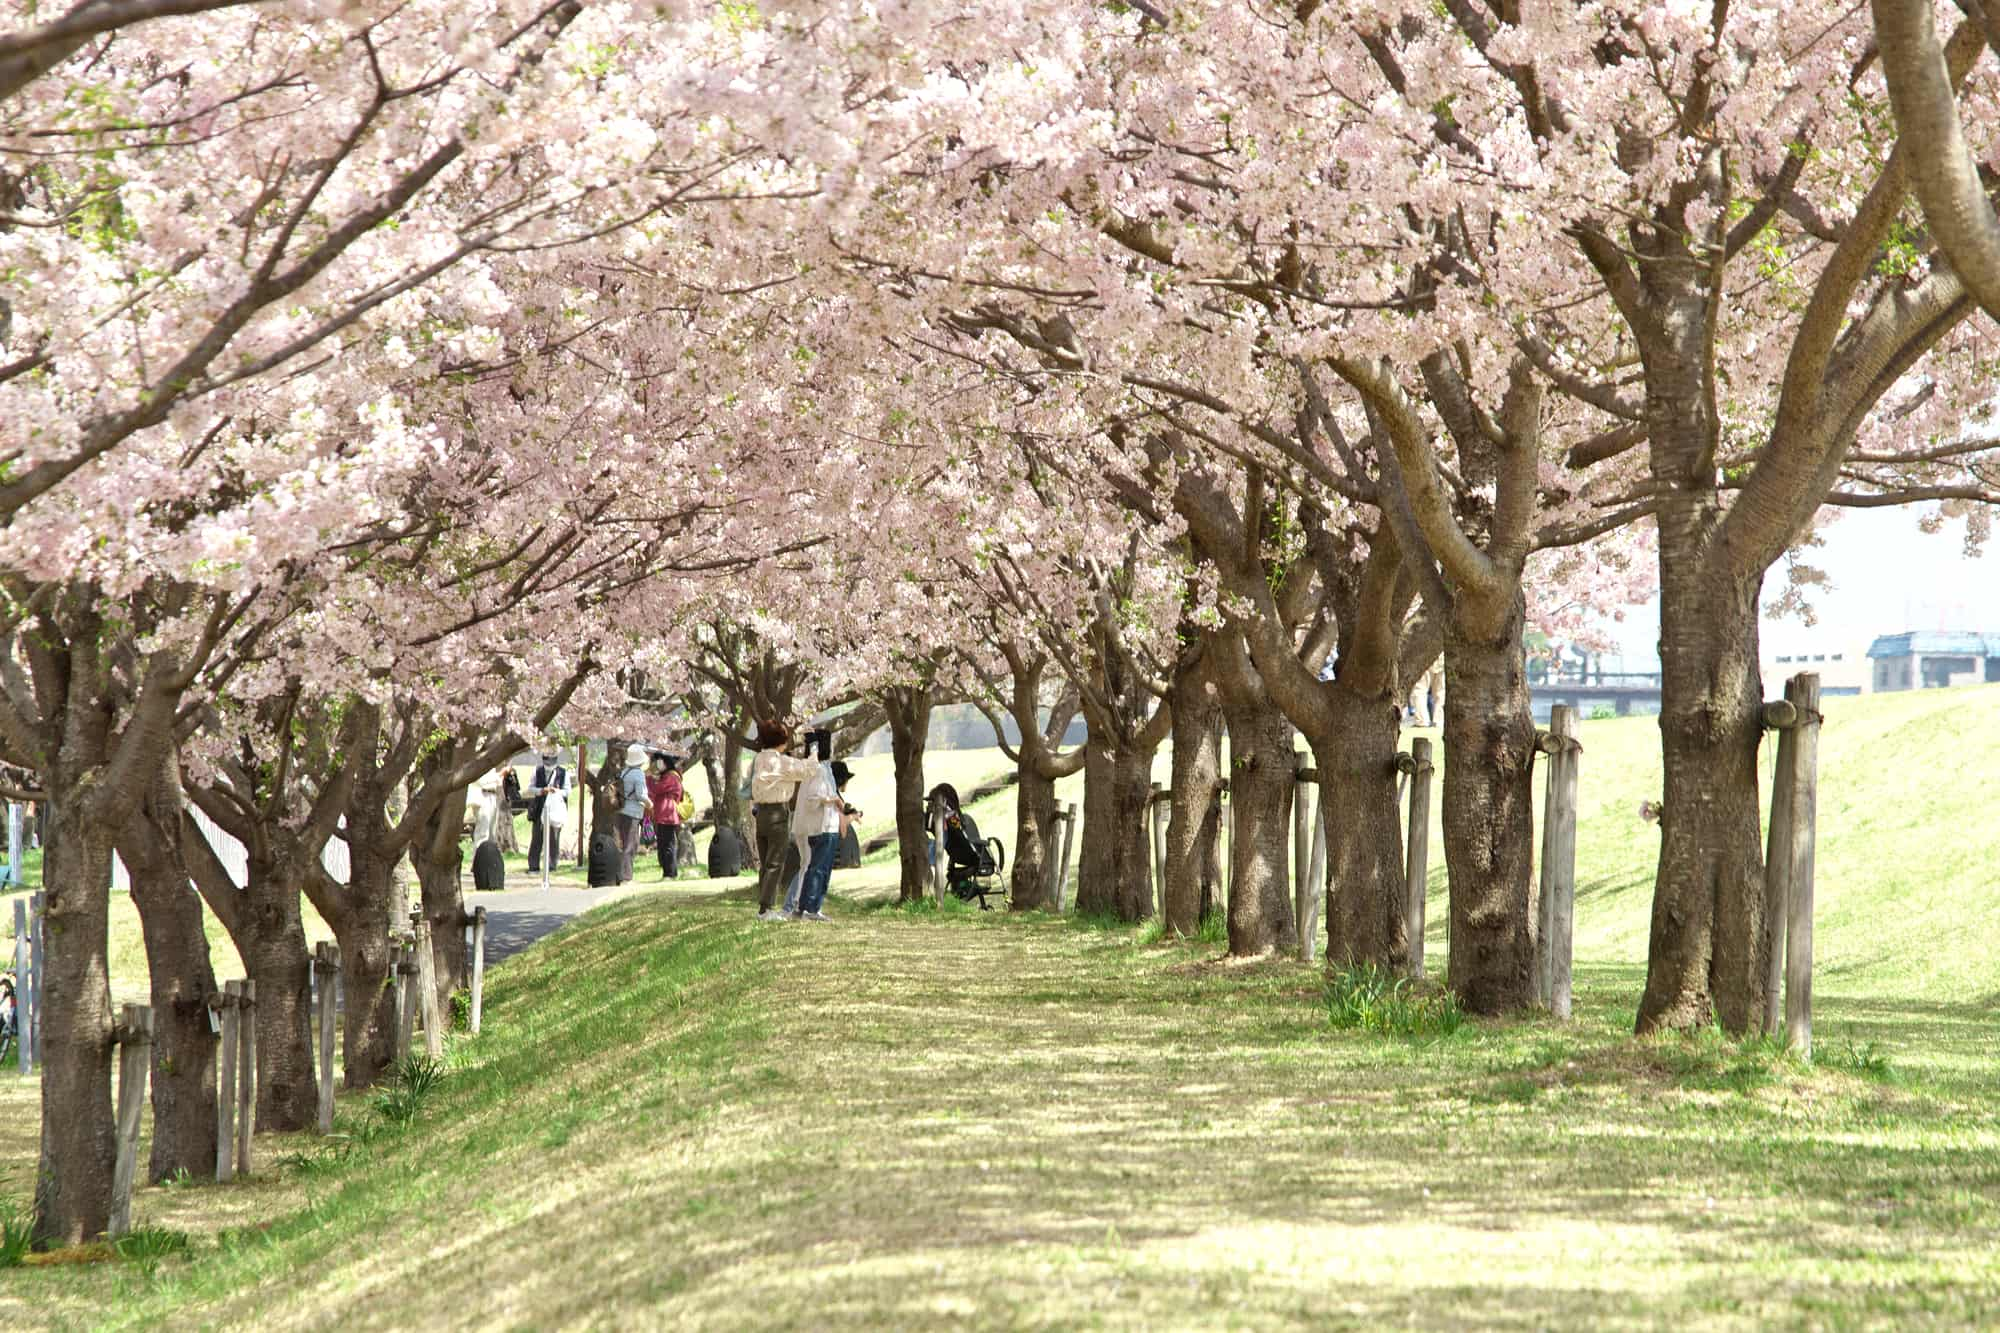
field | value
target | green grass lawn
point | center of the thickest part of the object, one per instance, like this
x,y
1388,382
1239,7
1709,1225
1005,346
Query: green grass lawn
x,y
678,1117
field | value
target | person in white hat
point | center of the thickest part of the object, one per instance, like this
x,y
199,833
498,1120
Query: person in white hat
x,y
632,792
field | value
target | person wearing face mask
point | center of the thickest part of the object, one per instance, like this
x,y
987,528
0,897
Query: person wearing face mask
x,y
548,777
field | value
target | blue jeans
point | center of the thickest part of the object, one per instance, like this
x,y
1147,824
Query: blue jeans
x,y
825,846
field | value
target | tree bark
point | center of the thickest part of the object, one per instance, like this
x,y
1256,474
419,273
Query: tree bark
x,y
78,1141
362,915
1193,815
439,857
1262,777
909,710
1355,752
182,979
723,790
1488,807
1705,955
1116,879
1034,825
273,945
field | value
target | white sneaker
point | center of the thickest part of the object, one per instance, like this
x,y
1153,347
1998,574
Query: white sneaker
x,y
772,914
816,916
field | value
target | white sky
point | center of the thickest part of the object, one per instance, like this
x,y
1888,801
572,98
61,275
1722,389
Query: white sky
x,y
1884,576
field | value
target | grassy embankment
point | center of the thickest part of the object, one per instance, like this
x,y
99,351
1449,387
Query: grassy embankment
x,y
679,1117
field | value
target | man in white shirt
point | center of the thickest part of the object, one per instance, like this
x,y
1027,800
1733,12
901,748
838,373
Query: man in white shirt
x,y
774,779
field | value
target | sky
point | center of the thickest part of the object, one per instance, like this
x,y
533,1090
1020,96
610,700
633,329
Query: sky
x,y
1885,575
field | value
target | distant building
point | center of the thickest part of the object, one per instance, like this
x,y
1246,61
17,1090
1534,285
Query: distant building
x,y
1934,659
1841,672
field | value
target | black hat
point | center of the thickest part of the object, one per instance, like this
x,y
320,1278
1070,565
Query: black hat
x,y
841,772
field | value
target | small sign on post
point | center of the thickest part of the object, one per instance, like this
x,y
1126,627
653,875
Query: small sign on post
x,y
134,1036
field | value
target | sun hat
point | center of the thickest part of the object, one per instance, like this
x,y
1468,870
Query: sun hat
x,y
635,756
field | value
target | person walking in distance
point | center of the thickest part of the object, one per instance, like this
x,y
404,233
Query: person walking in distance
x,y
632,808
544,836
663,792
774,779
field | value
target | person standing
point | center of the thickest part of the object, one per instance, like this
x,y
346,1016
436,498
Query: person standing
x,y
631,809
817,817
663,790
774,780
549,776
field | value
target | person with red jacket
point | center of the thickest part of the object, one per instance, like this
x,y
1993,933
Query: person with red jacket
x,y
663,789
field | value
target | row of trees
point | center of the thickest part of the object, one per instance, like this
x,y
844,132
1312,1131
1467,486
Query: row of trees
x,y
385,383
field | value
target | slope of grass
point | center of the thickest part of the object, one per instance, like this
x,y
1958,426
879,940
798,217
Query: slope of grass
x,y
679,1118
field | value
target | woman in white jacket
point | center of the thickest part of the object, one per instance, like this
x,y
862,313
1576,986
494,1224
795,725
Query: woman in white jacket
x,y
774,780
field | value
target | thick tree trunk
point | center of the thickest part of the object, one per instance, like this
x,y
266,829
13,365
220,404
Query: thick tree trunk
x,y
725,790
1262,776
361,923
78,1141
1034,826
182,979
273,944
1708,899
1489,824
1365,903
1117,880
1192,821
909,713
439,858
1096,856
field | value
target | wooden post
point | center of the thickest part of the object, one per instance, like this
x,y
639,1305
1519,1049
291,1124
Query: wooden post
x,y
1778,860
939,861
585,801
478,965
1557,909
406,1006
225,1085
327,971
135,1062
1157,807
24,989
1315,878
1226,834
427,994
246,1075
1302,779
1062,863
38,961
1802,692
1417,871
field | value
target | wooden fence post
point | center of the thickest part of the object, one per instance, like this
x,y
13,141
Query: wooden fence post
x,y
1156,808
326,971
1802,692
1302,778
134,1035
406,1004
939,861
246,1075
1226,834
225,1084
1778,859
38,957
1417,870
427,994
478,965
24,989
1558,885
1315,879
1062,865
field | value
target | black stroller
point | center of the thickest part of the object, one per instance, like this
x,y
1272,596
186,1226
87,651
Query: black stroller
x,y
975,863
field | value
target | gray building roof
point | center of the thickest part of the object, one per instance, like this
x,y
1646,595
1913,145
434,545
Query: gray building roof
x,y
1936,642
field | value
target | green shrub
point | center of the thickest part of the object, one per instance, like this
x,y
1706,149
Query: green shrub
x,y
417,1078
17,1233
1373,1000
